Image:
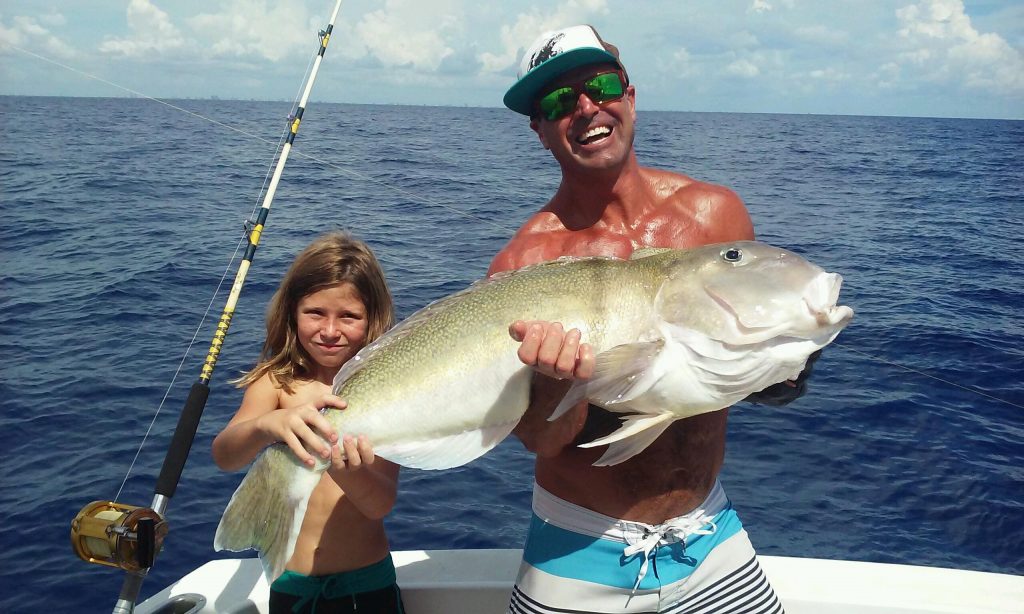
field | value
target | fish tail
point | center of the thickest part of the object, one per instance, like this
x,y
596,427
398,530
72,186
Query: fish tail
x,y
266,511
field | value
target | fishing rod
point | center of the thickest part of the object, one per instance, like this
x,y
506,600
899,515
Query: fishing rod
x,y
129,537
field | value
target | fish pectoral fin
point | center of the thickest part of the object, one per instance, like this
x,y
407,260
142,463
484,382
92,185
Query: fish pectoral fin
x,y
576,393
637,432
447,451
618,377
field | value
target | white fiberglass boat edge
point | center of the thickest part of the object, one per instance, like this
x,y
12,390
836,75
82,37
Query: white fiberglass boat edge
x,y
480,581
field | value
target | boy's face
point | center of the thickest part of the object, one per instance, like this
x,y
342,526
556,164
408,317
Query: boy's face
x,y
331,325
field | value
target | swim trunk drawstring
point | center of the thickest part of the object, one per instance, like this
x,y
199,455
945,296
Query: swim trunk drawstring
x,y
327,588
676,530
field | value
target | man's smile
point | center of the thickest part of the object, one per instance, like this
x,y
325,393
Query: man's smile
x,y
593,135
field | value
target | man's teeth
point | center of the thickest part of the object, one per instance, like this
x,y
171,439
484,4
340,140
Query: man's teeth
x,y
599,131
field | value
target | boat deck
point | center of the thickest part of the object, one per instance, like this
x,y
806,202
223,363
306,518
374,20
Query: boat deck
x,y
480,581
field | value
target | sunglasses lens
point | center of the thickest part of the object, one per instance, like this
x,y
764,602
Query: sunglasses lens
x,y
562,101
558,103
603,88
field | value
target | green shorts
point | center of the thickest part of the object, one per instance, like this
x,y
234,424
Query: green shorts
x,y
371,589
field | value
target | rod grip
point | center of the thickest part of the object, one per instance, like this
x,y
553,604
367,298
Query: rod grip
x,y
188,424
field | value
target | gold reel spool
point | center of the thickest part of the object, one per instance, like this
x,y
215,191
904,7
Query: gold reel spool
x,y
118,535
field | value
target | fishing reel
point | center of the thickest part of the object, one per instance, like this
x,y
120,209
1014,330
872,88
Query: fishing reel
x,y
118,535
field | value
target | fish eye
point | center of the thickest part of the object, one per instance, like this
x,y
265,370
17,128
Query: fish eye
x,y
732,254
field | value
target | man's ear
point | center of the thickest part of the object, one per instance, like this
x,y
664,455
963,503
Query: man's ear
x,y
535,126
631,97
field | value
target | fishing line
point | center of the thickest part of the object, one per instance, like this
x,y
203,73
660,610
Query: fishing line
x,y
141,95
230,265
220,283
129,537
928,375
413,196
177,371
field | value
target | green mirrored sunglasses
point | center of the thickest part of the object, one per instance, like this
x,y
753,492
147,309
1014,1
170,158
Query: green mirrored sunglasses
x,y
562,100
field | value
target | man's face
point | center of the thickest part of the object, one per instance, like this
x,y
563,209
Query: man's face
x,y
593,136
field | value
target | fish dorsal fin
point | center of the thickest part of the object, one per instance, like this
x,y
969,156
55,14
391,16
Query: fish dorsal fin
x,y
644,252
402,329
557,262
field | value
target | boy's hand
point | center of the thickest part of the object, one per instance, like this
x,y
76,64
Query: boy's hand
x,y
304,428
352,454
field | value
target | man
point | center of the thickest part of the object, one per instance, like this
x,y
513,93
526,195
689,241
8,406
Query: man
x,y
655,533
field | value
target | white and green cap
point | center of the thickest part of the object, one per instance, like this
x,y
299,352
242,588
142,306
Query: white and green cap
x,y
552,54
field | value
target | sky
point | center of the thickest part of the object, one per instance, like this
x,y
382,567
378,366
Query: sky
x,y
921,58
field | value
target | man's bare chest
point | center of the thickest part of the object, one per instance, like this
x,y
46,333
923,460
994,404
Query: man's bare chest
x,y
656,231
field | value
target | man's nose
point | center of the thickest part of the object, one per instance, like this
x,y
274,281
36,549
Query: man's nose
x,y
586,106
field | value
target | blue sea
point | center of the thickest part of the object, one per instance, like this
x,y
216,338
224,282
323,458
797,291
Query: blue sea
x,y
121,219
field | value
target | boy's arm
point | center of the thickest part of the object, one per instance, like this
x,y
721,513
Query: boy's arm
x,y
370,483
260,422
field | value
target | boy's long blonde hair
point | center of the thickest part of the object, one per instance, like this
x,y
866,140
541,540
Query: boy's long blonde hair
x,y
332,259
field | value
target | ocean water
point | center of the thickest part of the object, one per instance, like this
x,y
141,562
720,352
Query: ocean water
x,y
121,216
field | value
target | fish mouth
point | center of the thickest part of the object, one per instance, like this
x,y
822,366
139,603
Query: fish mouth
x,y
822,297
835,315
809,313
823,291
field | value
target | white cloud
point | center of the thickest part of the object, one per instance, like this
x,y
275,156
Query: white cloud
x,y
967,56
53,19
763,6
743,68
527,26
676,65
822,36
944,47
829,74
252,29
742,39
33,33
29,26
151,32
682,65
887,76
408,33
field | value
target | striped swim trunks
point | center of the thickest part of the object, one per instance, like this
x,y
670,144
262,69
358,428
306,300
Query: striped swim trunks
x,y
579,561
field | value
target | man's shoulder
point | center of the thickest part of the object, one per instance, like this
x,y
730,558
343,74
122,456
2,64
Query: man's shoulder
x,y
677,188
537,236
711,212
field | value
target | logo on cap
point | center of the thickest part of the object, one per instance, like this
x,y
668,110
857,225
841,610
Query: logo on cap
x,y
547,51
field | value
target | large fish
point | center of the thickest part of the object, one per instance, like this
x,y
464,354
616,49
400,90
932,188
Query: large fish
x,y
676,333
